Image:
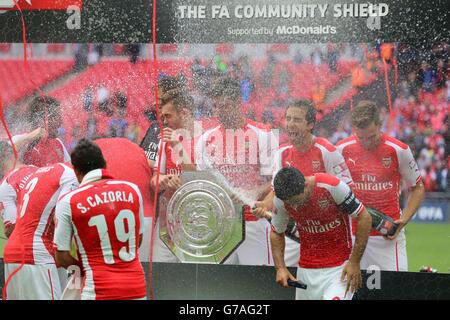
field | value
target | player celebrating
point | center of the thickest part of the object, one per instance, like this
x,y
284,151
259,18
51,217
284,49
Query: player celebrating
x,y
307,153
105,217
380,165
176,156
43,145
321,205
151,140
242,151
29,252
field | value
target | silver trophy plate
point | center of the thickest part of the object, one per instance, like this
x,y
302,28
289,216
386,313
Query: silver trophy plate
x,y
201,224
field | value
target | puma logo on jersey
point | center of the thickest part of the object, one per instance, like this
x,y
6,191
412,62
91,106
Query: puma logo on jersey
x,y
352,161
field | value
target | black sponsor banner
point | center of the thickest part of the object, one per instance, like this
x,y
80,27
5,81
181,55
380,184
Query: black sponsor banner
x,y
238,21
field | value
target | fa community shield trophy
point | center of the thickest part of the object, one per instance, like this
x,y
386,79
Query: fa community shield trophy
x,y
200,223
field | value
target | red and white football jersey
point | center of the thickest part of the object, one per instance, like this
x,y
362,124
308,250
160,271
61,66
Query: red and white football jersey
x,y
244,156
46,152
32,239
127,161
170,155
106,219
380,174
321,157
10,187
169,163
322,222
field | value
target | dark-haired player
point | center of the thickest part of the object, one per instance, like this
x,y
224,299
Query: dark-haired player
x,y
307,153
321,205
104,215
42,146
242,151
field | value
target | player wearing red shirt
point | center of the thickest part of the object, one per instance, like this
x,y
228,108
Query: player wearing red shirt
x,y
13,182
307,153
105,217
321,205
42,147
31,242
127,161
381,166
242,151
177,155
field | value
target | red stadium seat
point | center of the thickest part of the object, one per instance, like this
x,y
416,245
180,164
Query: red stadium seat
x,y
56,47
5,47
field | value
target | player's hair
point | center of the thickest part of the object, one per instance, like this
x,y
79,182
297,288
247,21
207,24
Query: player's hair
x,y
226,86
180,100
87,156
365,113
168,83
308,106
288,182
39,108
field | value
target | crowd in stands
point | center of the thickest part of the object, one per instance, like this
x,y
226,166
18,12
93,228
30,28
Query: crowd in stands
x,y
420,114
419,117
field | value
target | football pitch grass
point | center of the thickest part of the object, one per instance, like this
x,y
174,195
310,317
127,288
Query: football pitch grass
x,y
427,244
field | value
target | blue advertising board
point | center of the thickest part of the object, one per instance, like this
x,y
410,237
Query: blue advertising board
x,y
432,211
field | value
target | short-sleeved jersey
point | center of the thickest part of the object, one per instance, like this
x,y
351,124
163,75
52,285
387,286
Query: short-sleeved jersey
x,y
151,142
127,161
10,187
244,157
381,173
106,219
32,239
322,221
321,157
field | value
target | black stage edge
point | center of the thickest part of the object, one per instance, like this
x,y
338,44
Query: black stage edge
x,y
172,281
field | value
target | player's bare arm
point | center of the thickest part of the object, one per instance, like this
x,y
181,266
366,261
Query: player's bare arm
x,y
8,229
166,181
416,197
352,270
65,259
263,208
278,244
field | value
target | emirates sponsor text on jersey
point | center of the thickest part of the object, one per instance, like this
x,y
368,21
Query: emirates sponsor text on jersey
x,y
315,226
370,183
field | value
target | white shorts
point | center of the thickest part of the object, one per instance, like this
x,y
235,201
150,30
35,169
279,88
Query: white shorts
x,y
323,284
63,277
255,250
33,282
387,255
72,290
144,249
291,252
